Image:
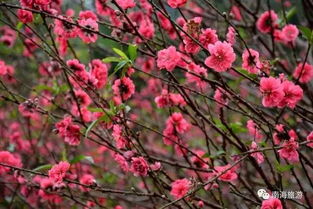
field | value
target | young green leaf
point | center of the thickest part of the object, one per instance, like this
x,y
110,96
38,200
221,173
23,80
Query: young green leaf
x,y
291,13
237,127
19,25
42,87
307,33
91,127
64,155
132,51
119,66
109,178
43,167
283,168
80,158
111,59
120,52
215,155
95,109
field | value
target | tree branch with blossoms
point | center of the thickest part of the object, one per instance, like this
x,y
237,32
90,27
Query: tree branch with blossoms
x,y
156,104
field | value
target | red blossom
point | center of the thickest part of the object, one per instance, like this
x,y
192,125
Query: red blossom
x,y
180,187
267,21
222,56
58,172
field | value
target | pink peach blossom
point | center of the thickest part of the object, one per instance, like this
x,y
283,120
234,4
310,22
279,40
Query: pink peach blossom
x,y
272,91
267,21
180,187
222,56
168,58
58,171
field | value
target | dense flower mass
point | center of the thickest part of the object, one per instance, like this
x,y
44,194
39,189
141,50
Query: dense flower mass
x,y
47,184
280,93
100,71
169,99
69,131
8,158
88,21
117,134
156,104
58,172
292,94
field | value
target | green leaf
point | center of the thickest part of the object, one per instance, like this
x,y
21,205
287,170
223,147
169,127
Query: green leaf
x,y
283,168
237,127
19,25
206,155
307,33
245,72
262,144
242,32
120,52
105,117
215,155
111,59
91,126
80,158
291,13
220,152
274,61
38,20
63,88
119,66
219,124
95,109
132,51
121,107
40,88
64,155
109,178
43,167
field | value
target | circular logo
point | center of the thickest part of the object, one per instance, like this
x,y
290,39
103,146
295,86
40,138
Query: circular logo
x,y
263,194
266,196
